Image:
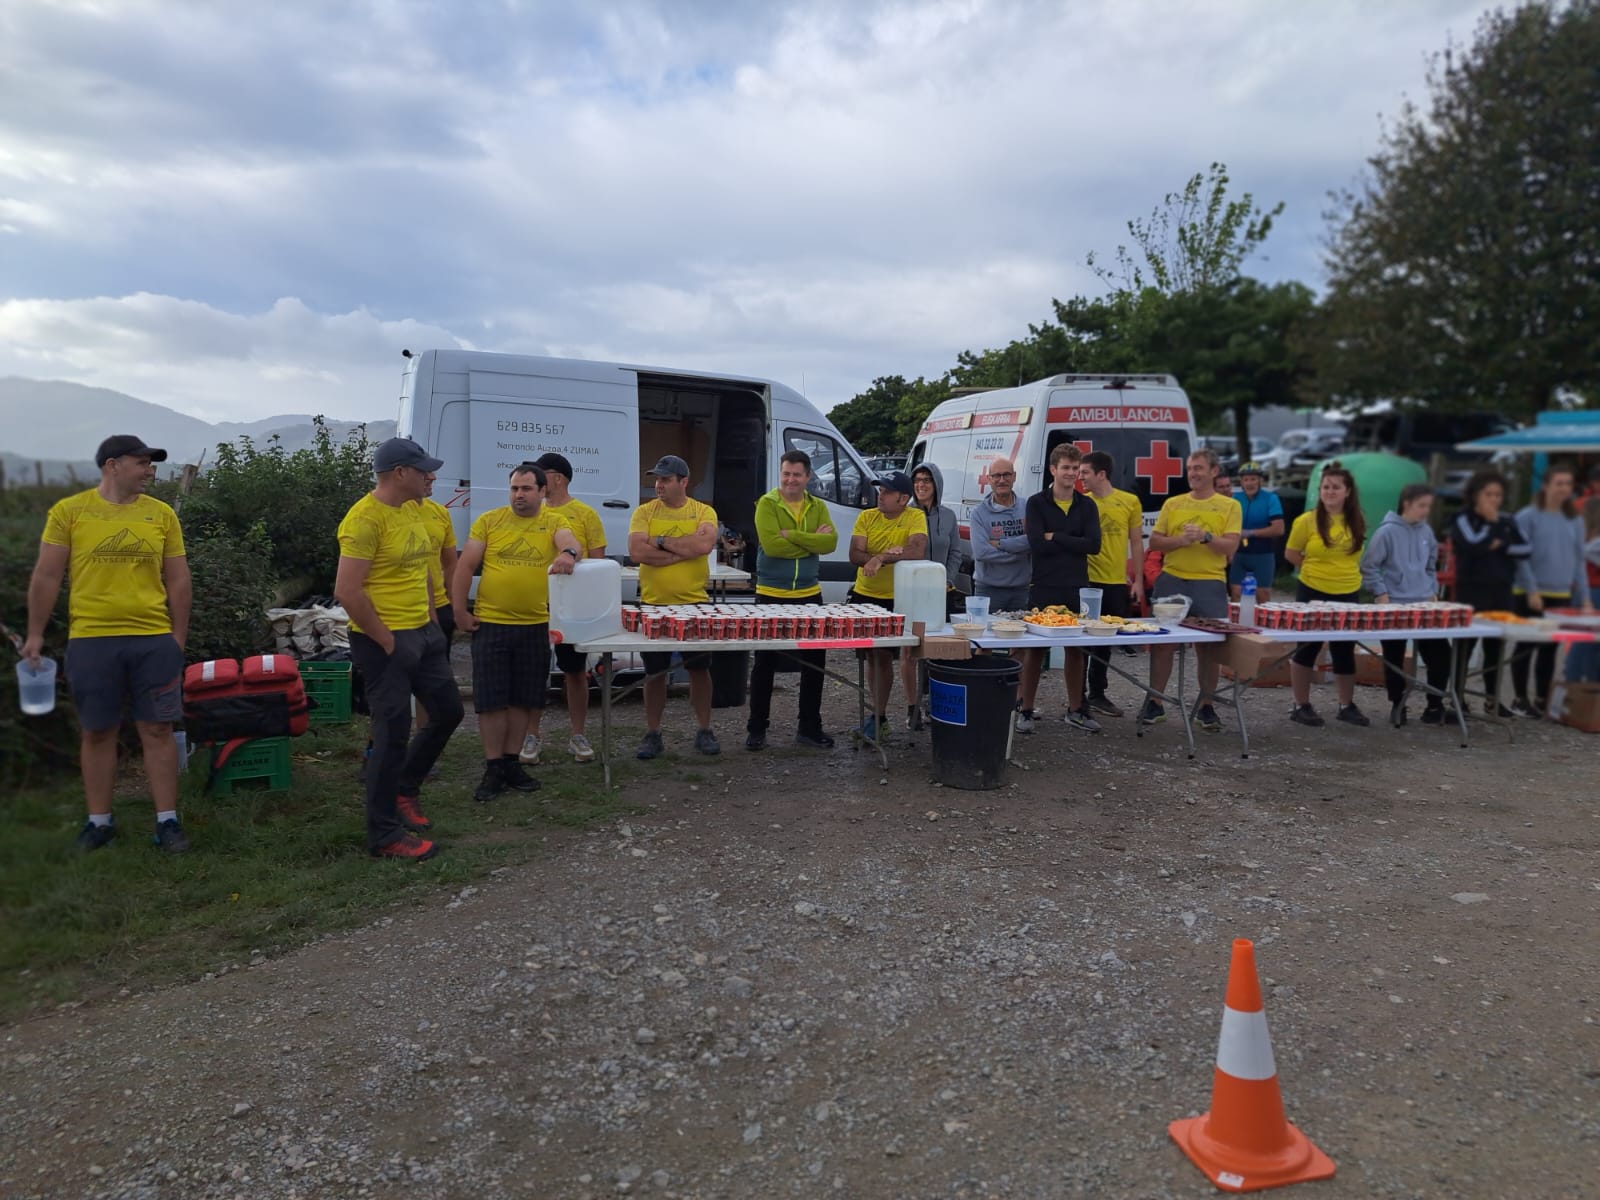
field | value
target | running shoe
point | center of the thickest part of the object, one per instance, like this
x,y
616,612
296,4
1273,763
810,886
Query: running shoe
x,y
1152,713
1205,718
1304,714
170,836
1101,703
530,750
92,836
755,741
706,742
410,848
1080,719
1025,721
650,745
492,783
411,814
516,778
578,746
1351,715
814,738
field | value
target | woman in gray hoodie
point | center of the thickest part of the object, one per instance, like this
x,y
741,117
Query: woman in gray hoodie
x,y
1400,566
944,548
1552,576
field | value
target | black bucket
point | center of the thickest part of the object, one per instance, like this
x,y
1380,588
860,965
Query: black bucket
x,y
730,678
971,701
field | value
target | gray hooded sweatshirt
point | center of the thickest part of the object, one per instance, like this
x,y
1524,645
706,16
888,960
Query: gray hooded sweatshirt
x,y
944,536
1010,564
1555,568
1401,560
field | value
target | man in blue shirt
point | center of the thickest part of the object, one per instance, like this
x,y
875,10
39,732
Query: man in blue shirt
x,y
1258,541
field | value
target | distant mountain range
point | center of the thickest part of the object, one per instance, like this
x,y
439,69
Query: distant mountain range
x,y
57,426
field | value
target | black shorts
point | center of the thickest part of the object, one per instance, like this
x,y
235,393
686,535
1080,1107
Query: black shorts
x,y
659,662
510,666
855,597
143,672
570,661
447,621
1114,600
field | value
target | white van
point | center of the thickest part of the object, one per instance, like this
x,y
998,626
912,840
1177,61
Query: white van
x,y
485,413
1143,421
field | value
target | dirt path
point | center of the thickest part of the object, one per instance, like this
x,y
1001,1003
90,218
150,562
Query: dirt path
x,y
790,978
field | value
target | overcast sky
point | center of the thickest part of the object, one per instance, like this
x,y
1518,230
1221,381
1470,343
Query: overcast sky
x,y
244,209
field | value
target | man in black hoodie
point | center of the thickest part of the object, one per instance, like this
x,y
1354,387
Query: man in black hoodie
x,y
1063,528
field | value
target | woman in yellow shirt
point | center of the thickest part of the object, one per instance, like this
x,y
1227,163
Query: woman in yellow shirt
x,y
1325,547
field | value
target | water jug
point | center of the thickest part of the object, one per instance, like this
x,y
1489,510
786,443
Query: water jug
x,y
1091,599
588,603
977,608
919,593
1247,601
36,688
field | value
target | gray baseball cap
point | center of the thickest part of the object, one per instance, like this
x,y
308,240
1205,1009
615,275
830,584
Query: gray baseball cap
x,y
403,452
670,464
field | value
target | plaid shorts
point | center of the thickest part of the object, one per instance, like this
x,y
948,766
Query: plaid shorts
x,y
510,666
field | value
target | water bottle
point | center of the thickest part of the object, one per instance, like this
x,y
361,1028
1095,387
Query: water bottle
x,y
1247,600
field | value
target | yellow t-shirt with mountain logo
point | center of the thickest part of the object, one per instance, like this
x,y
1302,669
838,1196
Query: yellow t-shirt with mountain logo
x,y
514,588
1119,512
1217,514
443,532
396,540
881,533
1334,566
683,582
114,575
584,522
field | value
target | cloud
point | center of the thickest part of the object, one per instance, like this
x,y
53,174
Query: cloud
x,y
846,189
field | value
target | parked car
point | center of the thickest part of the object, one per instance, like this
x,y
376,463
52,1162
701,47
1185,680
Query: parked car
x,y
883,464
1305,447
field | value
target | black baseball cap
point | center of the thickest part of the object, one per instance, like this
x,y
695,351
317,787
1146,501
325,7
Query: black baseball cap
x,y
125,445
895,481
403,452
670,464
554,462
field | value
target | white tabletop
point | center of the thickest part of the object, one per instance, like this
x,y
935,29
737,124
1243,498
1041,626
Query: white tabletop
x,y
637,643
1174,635
1479,629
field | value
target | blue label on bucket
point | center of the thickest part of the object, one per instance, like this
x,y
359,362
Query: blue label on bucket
x,y
947,702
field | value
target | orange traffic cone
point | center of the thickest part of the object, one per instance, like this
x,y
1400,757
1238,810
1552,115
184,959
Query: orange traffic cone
x,y
1245,1144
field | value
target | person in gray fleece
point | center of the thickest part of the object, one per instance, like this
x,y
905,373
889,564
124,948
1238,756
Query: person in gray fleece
x,y
1001,558
1400,566
944,534
1552,576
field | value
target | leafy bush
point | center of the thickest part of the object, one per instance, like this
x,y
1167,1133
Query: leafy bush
x,y
29,745
298,498
233,586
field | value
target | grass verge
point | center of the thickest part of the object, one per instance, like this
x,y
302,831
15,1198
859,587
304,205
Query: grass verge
x,y
268,870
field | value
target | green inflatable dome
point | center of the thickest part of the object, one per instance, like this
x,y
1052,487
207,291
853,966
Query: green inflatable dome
x,y
1379,478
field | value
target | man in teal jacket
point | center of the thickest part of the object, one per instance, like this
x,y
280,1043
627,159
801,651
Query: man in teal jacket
x,y
794,530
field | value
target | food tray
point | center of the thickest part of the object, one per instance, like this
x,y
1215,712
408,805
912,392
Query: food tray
x,y
1055,630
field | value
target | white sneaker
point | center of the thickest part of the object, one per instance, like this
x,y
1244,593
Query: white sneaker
x,y
530,750
1024,722
578,746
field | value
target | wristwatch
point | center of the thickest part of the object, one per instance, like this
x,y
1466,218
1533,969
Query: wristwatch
x,y
1207,538
571,551
661,541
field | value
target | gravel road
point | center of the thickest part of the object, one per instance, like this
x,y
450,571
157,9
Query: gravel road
x,y
794,975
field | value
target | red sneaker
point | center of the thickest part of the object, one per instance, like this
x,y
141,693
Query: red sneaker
x,y
411,814
410,848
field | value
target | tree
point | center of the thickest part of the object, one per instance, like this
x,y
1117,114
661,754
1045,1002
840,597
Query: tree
x,y
1465,267
885,418
1195,241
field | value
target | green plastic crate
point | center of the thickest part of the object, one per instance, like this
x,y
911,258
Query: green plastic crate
x,y
258,759
328,683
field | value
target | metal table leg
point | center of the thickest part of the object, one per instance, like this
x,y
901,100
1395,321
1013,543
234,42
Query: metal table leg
x,y
605,715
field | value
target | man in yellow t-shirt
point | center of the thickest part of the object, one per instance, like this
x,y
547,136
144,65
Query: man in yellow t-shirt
x,y
128,610
896,531
1121,544
586,526
519,547
670,537
1198,533
386,559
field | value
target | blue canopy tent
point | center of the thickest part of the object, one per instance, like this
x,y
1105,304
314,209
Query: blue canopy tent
x,y
1565,435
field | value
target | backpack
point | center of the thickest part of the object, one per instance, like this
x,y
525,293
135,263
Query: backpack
x,y
229,704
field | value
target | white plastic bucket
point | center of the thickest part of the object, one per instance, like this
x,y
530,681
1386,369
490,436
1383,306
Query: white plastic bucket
x,y
36,689
588,603
919,593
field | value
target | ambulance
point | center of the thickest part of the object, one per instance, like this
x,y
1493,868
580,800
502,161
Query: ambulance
x,y
1145,422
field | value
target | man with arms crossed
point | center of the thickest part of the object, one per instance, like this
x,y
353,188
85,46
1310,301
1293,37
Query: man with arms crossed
x,y
384,584
585,525
895,531
1002,565
794,530
128,609
519,547
669,538
1121,556
1198,533
1063,531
